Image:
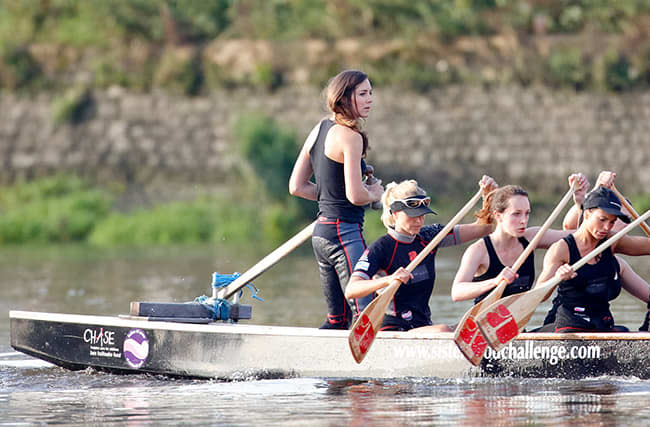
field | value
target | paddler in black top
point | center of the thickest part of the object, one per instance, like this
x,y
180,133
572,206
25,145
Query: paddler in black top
x,y
636,285
583,296
333,154
404,207
486,262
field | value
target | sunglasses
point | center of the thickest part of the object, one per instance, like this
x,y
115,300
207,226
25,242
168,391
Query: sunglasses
x,y
411,202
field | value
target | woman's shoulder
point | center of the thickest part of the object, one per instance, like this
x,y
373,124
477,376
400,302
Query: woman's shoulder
x,y
382,244
344,133
430,231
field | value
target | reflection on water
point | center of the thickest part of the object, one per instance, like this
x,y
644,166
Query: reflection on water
x,y
91,397
91,281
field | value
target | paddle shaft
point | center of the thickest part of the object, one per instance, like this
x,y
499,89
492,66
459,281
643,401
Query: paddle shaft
x,y
533,243
631,210
266,263
432,244
464,338
362,334
514,312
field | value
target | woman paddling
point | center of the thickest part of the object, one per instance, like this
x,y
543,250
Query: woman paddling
x,y
583,296
486,262
333,154
630,280
404,207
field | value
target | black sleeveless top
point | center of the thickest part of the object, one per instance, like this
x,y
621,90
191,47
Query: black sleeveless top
x,y
594,286
330,182
526,272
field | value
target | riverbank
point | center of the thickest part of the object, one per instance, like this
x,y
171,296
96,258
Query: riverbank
x,y
446,138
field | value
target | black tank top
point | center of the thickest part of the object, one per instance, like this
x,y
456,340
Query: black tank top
x,y
595,285
330,182
520,284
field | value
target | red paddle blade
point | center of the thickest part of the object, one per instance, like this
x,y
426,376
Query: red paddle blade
x,y
498,326
470,341
361,338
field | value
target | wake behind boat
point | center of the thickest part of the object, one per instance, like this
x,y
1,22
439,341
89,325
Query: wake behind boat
x,y
232,351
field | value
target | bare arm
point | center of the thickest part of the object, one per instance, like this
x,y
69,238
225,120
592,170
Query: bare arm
x,y
632,282
550,236
556,256
605,179
351,146
632,245
299,182
474,259
570,221
473,231
476,230
358,287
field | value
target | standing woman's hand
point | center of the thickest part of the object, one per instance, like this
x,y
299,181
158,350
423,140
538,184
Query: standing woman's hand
x,y
375,190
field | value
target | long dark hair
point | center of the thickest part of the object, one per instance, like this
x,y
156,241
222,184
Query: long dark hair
x,y
339,92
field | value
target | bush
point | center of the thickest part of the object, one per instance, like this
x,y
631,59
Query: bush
x,y
168,224
179,223
18,68
565,68
642,203
73,106
180,72
59,209
619,74
270,149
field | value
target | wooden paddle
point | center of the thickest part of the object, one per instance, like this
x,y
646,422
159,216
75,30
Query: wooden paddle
x,y
501,322
363,331
263,265
631,210
468,337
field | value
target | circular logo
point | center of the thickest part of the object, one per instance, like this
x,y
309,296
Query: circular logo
x,y
136,348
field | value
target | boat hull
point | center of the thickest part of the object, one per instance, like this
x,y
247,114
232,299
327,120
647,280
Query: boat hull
x,y
241,351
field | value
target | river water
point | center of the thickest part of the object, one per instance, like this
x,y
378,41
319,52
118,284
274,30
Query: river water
x,y
84,280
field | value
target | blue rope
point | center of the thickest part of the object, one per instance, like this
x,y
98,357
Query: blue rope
x,y
223,280
220,310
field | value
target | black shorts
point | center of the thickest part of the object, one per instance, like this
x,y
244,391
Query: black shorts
x,y
392,323
571,320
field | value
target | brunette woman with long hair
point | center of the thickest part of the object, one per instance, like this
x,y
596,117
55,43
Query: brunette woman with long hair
x,y
333,154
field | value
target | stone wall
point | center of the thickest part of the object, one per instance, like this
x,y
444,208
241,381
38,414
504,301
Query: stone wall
x,y
446,138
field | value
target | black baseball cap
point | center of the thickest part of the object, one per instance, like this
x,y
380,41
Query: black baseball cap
x,y
603,198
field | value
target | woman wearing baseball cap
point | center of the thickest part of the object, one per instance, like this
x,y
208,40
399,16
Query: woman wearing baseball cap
x,y
404,207
630,280
583,296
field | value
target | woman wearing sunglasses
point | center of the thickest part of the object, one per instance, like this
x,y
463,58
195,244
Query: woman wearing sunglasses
x,y
486,262
404,207
333,154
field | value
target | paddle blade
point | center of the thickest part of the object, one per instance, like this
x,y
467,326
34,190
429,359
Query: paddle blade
x,y
469,340
501,322
468,337
362,337
365,328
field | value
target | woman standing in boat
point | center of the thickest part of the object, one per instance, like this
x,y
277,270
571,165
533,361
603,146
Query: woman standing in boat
x,y
583,296
333,154
486,262
404,207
